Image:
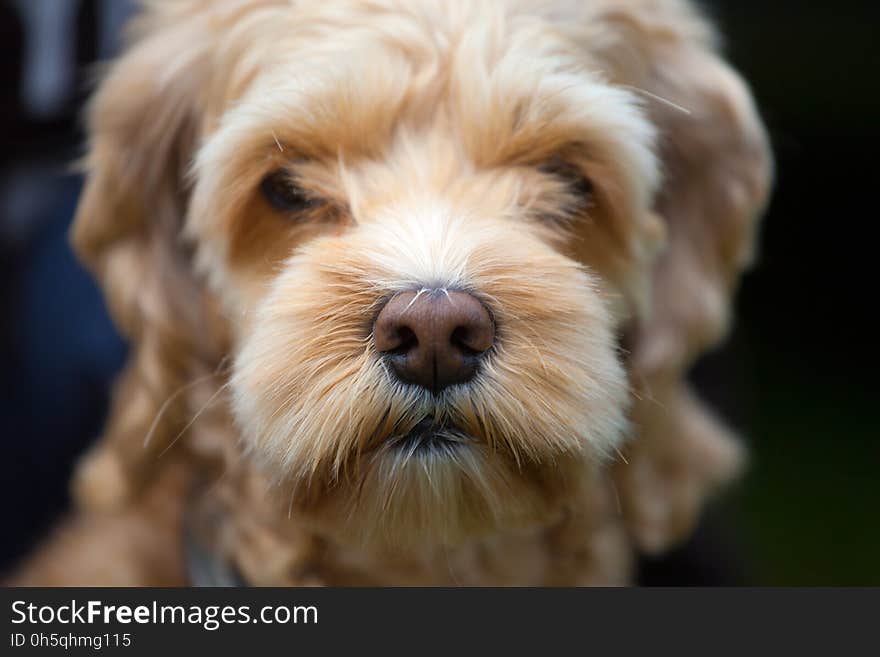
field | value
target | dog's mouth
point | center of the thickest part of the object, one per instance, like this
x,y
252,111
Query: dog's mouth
x,y
430,435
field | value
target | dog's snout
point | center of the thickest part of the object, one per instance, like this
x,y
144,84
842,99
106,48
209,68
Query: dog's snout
x,y
434,338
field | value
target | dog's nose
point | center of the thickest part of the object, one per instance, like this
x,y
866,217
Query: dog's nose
x,y
434,338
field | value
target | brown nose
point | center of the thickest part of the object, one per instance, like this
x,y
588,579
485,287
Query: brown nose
x,y
434,338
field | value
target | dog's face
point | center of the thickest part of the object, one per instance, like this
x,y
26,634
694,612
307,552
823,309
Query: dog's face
x,y
346,180
425,234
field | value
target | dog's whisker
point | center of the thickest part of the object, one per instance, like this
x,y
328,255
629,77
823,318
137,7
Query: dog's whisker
x,y
414,299
189,424
177,393
660,99
277,143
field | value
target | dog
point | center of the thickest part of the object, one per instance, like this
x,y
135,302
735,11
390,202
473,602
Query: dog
x,y
411,290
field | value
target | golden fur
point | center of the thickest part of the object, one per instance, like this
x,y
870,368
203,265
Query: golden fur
x,y
430,135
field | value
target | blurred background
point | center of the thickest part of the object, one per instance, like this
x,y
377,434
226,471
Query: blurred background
x,y
796,377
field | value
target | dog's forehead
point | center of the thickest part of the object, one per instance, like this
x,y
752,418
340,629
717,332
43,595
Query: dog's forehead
x,y
505,91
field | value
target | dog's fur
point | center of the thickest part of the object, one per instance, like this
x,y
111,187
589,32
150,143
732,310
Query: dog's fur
x,y
442,145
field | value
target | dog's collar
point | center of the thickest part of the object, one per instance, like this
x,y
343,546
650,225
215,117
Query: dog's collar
x,y
205,568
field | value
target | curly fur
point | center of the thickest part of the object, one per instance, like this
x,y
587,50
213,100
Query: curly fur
x,y
255,407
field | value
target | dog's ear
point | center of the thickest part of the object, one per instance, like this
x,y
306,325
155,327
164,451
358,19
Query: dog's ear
x,y
143,123
717,173
142,126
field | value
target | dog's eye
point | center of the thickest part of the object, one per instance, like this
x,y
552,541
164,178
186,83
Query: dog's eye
x,y
577,182
283,194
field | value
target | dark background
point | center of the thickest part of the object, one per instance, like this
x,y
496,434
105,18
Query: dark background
x,y
796,378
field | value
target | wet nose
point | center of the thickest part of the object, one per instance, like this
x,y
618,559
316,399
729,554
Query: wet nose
x,y
434,338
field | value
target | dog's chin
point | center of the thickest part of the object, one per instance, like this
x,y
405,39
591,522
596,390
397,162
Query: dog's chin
x,y
435,486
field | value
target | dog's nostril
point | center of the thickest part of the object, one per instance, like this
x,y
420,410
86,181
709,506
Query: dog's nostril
x,y
434,339
474,339
406,341
460,337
